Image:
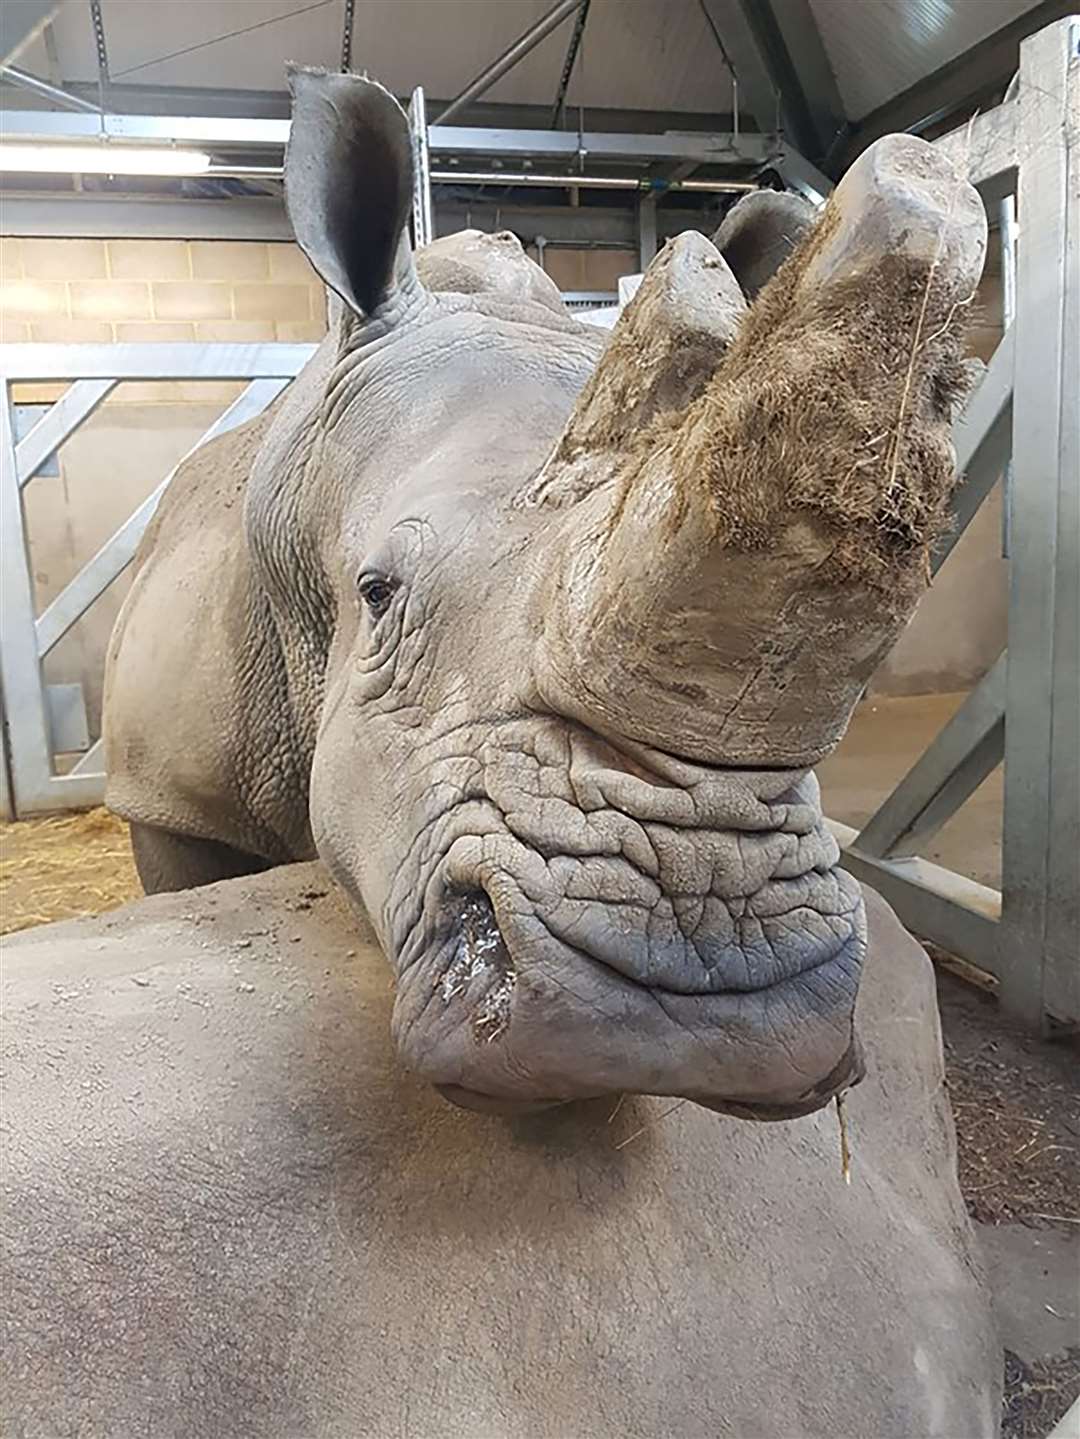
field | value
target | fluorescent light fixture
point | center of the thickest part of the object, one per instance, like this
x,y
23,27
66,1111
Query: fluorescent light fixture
x,y
98,159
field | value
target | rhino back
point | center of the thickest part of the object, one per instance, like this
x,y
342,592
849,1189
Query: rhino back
x,y
196,619
233,1212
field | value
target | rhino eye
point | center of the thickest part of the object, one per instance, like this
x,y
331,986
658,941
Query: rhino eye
x,y
376,591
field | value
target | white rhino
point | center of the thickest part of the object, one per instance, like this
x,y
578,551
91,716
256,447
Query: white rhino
x,y
534,641
535,646
230,1212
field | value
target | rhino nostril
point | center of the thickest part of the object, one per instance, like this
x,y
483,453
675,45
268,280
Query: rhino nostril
x,y
479,956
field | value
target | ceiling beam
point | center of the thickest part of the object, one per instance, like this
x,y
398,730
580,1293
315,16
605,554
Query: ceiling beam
x,y
522,46
239,133
812,72
739,50
973,80
783,73
131,99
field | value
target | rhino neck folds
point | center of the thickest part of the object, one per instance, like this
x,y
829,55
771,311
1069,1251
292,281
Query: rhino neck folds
x,y
677,877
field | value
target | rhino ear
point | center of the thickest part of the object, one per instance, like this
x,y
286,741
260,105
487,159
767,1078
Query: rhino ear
x,y
348,183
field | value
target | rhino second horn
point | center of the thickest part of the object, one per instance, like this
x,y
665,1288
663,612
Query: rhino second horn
x,y
664,349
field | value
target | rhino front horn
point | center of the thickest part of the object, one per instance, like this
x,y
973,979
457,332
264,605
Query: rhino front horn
x,y
732,583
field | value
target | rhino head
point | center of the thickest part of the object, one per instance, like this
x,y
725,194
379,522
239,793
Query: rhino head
x,y
588,619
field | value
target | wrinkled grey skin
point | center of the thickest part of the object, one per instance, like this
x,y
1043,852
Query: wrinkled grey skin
x,y
575,903
231,1213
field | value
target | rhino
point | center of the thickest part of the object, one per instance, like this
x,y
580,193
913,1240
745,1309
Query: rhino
x,y
230,1211
533,634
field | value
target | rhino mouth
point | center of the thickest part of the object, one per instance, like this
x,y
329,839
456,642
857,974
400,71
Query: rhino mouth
x,y
506,1010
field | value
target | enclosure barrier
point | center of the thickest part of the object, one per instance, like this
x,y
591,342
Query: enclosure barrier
x,y
1026,709
30,782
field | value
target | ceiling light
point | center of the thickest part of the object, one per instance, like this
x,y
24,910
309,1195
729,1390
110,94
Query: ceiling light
x,y
102,160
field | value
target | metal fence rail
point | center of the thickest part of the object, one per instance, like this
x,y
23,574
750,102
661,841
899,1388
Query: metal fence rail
x,y
30,782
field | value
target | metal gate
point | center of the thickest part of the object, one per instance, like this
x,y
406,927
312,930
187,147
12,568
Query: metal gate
x,y
1026,710
28,772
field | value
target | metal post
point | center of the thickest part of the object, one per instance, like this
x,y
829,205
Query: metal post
x,y
1040,933
647,229
24,696
1007,235
509,57
423,224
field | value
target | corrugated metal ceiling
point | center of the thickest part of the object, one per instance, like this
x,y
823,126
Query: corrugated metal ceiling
x,y
877,48
637,54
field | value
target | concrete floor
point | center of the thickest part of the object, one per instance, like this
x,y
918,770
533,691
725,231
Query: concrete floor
x,y
886,737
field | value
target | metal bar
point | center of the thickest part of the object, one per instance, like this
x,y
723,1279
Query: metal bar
x,y
982,436
559,107
809,59
153,362
798,174
533,179
25,81
231,131
521,47
423,223
68,791
102,53
934,903
241,133
1061,975
707,148
117,553
92,762
783,76
646,230
7,803
969,748
1040,936
1007,236
741,54
76,404
24,697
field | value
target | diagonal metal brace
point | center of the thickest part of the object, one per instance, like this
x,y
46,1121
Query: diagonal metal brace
x,y
969,748
983,439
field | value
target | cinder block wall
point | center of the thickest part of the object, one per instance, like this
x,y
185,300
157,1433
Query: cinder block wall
x,y
61,291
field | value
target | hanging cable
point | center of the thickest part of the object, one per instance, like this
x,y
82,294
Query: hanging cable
x,y
727,62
